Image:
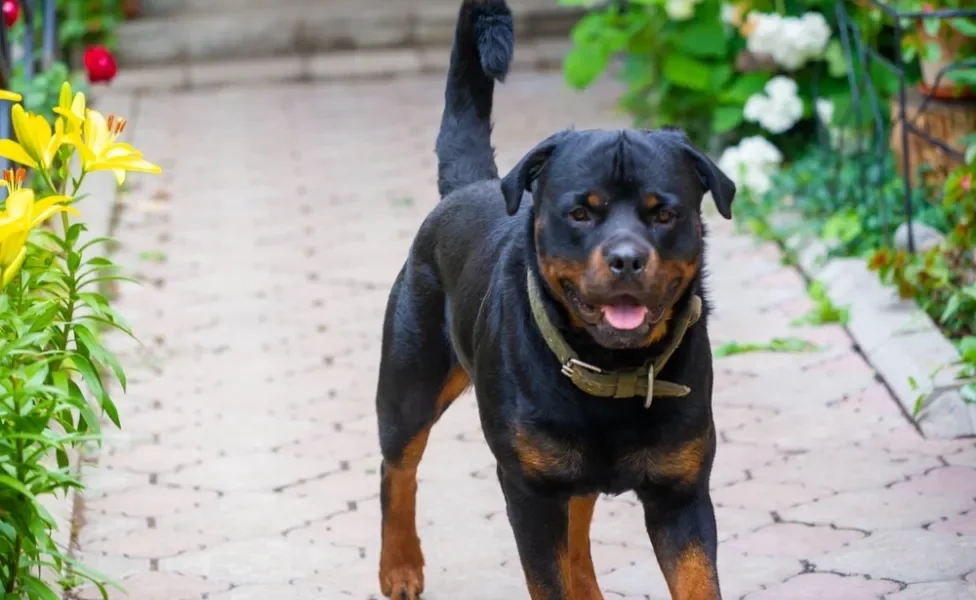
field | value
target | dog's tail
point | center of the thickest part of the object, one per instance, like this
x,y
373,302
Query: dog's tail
x,y
483,45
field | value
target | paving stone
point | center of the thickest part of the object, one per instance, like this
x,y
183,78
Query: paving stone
x,y
258,560
888,508
767,496
961,525
793,540
940,590
155,585
150,500
908,555
815,586
952,482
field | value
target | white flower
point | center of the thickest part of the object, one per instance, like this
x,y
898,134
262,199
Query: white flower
x,y
781,87
680,10
760,150
790,41
778,109
751,164
825,111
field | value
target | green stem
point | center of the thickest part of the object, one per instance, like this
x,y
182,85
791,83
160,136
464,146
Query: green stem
x,y
72,288
781,7
16,551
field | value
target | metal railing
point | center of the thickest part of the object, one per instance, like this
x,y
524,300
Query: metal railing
x,y
39,20
859,57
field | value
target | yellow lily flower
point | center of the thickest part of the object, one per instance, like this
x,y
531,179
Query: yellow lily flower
x,y
71,109
37,144
20,215
100,149
11,96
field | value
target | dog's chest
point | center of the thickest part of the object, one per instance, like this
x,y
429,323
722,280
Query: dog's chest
x,y
591,464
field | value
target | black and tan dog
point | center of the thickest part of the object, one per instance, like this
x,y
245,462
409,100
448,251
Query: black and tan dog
x,y
569,294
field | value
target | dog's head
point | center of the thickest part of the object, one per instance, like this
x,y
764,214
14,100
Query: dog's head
x,y
618,232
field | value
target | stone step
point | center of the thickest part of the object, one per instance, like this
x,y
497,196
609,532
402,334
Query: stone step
x,y
531,56
184,31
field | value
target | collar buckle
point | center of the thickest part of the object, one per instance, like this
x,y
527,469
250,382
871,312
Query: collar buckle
x,y
570,366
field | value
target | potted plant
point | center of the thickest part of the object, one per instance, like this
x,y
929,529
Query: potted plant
x,y
939,43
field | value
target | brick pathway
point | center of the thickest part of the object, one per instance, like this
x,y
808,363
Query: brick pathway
x,y
247,466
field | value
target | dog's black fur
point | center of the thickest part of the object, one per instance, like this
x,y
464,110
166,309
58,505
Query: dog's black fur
x,y
613,217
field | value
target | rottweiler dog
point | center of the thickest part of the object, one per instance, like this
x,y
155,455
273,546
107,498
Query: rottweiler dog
x,y
569,293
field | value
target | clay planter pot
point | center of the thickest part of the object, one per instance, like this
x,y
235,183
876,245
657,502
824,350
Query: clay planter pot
x,y
950,43
130,8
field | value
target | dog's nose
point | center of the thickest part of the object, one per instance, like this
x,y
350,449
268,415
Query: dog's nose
x,y
626,259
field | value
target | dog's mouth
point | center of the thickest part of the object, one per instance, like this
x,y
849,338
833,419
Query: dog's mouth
x,y
622,312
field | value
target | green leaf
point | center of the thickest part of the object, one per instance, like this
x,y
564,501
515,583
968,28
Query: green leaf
x,y
74,261
967,27
962,76
967,348
726,118
687,72
836,61
583,64
94,383
951,307
744,87
99,353
774,345
37,589
705,39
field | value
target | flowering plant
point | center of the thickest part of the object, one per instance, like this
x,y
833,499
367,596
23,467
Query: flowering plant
x,y
724,70
53,367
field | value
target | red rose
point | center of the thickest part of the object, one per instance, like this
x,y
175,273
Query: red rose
x,y
100,64
11,12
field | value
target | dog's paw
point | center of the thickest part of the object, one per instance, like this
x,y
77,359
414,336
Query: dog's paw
x,y
402,582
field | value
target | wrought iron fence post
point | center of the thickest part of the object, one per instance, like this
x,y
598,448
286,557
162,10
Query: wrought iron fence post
x,y
49,33
905,149
28,60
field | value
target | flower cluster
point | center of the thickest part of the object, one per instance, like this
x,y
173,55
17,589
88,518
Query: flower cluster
x,y
790,41
751,164
47,150
778,108
681,10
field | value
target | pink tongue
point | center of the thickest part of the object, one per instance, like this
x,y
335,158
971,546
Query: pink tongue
x,y
625,316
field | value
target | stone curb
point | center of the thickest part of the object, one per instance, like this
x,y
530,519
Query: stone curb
x,y
544,54
897,338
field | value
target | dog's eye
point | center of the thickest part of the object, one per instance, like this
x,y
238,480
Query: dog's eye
x,y
579,214
664,216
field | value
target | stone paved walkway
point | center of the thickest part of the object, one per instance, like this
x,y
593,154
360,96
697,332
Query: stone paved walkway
x,y
247,465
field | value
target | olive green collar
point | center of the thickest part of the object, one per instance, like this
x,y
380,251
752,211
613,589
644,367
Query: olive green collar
x,y
614,384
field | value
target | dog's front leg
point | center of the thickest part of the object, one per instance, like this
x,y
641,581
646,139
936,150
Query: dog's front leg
x,y
682,531
541,526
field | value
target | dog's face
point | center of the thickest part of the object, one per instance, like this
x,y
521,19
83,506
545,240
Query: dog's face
x,y
618,230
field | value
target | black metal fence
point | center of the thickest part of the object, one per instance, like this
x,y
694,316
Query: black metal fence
x,y
40,24
873,151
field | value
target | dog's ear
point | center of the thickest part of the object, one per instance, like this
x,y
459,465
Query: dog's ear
x,y
528,169
714,180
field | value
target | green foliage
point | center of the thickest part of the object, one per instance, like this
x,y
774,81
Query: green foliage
x,y
824,311
676,71
697,73
53,385
854,210
790,344
85,22
942,279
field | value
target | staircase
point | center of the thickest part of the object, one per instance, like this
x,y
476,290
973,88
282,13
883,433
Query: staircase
x,y
187,32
